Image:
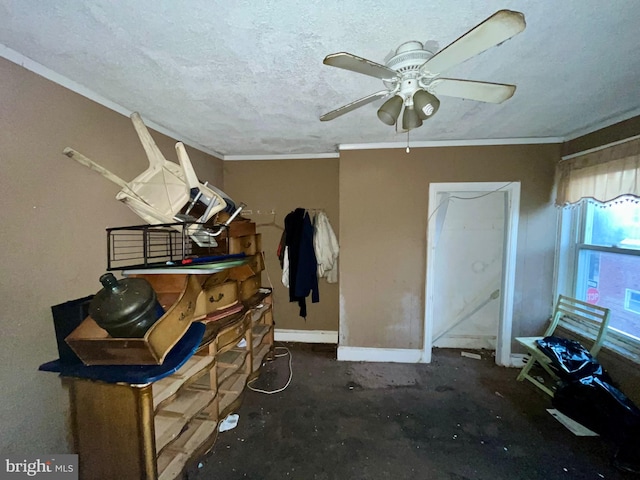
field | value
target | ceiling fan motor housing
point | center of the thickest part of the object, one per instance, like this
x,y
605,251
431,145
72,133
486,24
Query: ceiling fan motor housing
x,y
407,61
409,56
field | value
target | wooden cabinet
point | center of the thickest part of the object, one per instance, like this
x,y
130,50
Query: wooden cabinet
x,y
153,431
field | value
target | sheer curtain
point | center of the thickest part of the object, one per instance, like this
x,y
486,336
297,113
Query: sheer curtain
x,y
602,175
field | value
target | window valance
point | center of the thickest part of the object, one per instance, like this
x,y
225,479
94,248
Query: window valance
x,y
602,175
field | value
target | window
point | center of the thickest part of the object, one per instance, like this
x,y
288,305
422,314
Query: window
x,y
632,301
599,259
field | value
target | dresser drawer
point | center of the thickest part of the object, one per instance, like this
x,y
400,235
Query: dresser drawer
x,y
249,287
230,336
256,262
247,244
215,297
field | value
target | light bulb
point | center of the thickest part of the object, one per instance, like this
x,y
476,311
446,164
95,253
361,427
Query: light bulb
x,y
425,104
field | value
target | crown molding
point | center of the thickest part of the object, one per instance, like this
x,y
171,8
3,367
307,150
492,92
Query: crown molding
x,y
452,143
599,147
604,124
69,84
294,156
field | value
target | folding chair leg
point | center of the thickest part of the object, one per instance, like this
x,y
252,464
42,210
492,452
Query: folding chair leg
x,y
542,387
524,374
525,370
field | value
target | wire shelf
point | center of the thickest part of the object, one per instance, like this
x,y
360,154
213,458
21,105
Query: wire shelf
x,y
145,246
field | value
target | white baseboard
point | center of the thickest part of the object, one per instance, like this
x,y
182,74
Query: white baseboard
x,y
517,360
306,336
366,354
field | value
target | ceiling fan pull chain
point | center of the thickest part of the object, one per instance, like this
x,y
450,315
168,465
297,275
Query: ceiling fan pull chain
x,y
408,149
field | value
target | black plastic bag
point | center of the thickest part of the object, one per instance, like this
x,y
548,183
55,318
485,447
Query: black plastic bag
x,y
599,406
587,395
570,359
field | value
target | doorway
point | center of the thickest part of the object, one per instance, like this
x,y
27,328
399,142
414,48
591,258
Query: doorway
x,y
471,250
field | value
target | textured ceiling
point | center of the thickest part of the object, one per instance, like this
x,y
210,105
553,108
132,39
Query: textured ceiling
x,y
246,77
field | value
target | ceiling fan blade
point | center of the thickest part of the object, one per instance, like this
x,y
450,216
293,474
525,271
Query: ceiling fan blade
x,y
360,65
472,90
353,105
499,27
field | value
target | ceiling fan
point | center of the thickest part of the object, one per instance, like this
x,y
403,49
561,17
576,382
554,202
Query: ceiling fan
x,y
412,76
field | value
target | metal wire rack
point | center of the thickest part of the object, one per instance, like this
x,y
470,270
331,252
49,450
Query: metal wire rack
x,y
145,246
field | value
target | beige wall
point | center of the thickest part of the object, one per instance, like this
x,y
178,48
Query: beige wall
x,y
282,186
383,220
54,215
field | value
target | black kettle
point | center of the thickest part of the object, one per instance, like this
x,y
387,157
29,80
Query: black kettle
x,y
125,308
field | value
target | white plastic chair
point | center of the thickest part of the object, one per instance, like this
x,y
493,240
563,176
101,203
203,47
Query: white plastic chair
x,y
165,192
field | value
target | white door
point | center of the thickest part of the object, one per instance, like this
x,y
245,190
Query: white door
x,y
470,249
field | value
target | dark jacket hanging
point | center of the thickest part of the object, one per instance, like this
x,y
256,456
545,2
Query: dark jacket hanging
x,y
303,278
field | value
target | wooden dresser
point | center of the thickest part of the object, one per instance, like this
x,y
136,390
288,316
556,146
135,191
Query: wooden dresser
x,y
155,430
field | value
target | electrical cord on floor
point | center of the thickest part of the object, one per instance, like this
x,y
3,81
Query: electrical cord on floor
x,y
288,352
278,390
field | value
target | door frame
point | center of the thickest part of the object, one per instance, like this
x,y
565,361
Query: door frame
x,y
512,215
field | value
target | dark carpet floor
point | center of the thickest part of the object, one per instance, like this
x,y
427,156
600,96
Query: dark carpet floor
x,y
456,418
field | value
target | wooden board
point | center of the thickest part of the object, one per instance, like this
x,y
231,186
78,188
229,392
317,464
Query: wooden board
x,y
189,402
167,426
259,311
258,356
259,331
167,387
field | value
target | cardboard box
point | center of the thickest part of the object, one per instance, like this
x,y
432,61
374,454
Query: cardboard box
x,y
93,345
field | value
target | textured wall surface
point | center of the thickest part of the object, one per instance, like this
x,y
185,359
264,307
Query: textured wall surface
x,y
54,214
383,221
282,186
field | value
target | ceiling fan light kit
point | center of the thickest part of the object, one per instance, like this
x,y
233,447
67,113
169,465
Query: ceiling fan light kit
x,y
390,110
410,119
425,104
412,76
